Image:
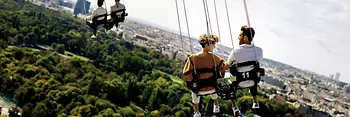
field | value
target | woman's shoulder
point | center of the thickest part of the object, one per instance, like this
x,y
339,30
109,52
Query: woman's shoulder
x,y
216,56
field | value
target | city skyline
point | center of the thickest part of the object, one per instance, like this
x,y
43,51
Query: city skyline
x,y
306,90
305,34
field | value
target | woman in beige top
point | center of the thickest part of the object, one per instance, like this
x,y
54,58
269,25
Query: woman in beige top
x,y
204,63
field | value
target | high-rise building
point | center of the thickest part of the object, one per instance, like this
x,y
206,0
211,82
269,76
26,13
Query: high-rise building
x,y
331,76
337,75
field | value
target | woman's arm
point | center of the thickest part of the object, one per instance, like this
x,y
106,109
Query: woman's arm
x,y
187,71
223,65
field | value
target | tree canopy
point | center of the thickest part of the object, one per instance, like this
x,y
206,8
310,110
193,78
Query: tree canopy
x,y
108,78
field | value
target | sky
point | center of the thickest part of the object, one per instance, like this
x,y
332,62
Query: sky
x,y
307,34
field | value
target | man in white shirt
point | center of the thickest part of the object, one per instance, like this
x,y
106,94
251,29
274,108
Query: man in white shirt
x,y
246,52
100,14
118,13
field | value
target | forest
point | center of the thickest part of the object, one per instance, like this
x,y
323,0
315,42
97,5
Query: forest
x,y
81,77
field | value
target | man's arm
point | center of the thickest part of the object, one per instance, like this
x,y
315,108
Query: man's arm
x,y
222,65
259,54
231,58
94,13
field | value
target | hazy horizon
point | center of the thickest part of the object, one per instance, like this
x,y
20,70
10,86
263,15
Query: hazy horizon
x,y
177,32
302,33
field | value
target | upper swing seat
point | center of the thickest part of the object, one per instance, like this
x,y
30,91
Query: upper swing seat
x,y
99,22
116,17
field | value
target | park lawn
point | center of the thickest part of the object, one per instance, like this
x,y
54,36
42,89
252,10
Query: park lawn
x,y
77,56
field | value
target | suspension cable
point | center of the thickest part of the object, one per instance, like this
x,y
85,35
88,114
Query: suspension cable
x,y
217,20
106,6
229,25
247,16
208,15
246,12
178,20
206,18
189,36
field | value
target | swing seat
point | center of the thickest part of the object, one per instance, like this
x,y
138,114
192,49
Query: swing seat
x,y
97,22
249,82
224,87
116,17
198,84
119,15
246,83
247,73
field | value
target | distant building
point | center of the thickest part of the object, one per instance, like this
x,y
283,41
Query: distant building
x,y
328,100
337,75
341,84
179,55
347,88
66,4
315,113
308,96
169,54
331,76
339,114
280,97
274,81
141,37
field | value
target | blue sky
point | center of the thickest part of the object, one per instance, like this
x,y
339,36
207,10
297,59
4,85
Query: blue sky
x,y
308,34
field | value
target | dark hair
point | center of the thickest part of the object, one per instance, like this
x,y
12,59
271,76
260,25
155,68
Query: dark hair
x,y
246,32
100,3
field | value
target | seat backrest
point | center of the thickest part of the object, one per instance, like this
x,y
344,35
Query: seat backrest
x,y
98,12
118,11
245,67
247,73
118,15
95,19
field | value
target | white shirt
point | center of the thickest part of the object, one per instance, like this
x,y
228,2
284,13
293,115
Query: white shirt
x,y
116,8
245,53
99,11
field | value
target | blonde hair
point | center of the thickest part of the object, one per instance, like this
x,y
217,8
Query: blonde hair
x,y
208,39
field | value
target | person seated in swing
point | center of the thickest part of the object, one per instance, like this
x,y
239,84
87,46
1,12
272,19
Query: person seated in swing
x,y
99,16
246,52
117,14
203,63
